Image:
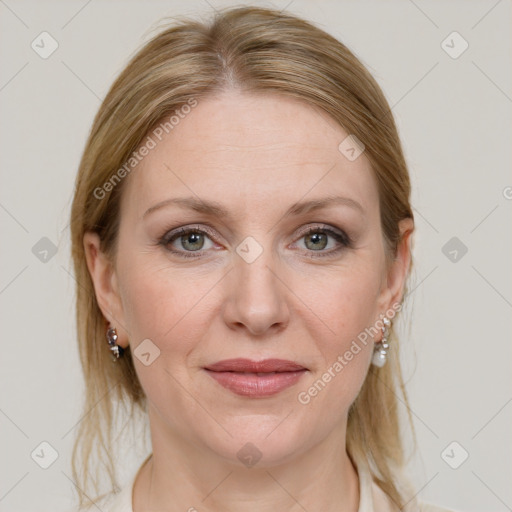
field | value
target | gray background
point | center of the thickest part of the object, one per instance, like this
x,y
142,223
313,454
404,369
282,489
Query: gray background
x,y
454,116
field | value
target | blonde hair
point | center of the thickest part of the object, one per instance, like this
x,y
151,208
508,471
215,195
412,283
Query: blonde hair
x,y
253,50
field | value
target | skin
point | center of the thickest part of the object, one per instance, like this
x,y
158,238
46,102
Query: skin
x,y
257,155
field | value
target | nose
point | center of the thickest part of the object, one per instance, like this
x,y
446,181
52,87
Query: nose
x,y
256,299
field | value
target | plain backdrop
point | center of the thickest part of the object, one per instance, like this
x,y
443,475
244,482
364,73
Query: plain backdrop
x,y
453,108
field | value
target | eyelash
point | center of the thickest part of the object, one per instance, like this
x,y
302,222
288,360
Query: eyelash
x,y
174,235
342,238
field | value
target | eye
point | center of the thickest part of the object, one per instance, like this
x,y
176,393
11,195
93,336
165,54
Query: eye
x,y
323,240
187,240
192,242
316,241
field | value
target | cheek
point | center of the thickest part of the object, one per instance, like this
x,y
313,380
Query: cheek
x,y
347,301
346,310
173,310
169,307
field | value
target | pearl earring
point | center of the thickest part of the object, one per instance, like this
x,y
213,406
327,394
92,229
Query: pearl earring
x,y
380,351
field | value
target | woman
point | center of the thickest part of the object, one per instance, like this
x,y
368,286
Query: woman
x,y
241,233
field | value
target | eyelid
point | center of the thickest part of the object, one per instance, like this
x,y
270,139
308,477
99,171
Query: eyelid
x,y
323,227
343,242
169,235
212,233
342,238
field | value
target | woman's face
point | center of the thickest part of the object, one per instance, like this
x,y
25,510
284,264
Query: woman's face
x,y
286,260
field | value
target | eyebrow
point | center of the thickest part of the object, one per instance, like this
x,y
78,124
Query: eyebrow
x,y
214,208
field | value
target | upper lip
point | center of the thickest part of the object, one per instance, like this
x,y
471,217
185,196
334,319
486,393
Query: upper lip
x,y
249,366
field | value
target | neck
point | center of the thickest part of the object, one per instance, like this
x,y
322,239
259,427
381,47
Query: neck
x,y
182,477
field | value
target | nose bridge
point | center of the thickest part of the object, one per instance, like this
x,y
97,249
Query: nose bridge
x,y
257,278
257,298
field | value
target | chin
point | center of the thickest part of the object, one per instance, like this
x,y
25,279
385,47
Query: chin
x,y
261,442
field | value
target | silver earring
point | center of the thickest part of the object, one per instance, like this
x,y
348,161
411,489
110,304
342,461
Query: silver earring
x,y
380,351
116,349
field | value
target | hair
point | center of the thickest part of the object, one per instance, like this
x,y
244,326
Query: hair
x,y
253,50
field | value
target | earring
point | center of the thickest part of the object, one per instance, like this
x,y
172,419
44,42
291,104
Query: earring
x,y
116,349
380,351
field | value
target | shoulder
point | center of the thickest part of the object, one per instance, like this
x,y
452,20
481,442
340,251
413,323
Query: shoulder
x,y
120,501
112,503
429,507
382,503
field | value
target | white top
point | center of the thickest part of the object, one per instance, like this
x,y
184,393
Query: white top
x,y
371,497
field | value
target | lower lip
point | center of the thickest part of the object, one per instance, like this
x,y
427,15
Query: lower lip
x,y
250,384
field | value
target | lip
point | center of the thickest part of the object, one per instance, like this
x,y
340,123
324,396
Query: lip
x,y
256,379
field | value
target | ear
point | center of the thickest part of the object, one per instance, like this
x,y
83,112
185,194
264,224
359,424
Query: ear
x,y
398,269
105,283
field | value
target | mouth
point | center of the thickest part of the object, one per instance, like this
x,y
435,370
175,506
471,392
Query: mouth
x,y
256,379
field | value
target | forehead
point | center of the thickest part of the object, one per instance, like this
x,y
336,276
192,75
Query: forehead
x,y
249,147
